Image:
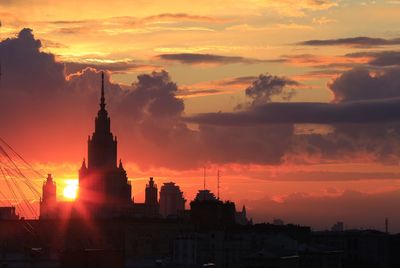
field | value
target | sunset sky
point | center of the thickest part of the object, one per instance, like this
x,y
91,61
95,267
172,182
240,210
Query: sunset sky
x,y
297,103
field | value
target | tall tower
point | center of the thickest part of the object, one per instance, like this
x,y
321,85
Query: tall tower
x,y
151,193
102,146
48,204
172,201
151,203
102,183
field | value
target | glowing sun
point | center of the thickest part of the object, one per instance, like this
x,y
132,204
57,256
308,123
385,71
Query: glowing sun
x,y
71,189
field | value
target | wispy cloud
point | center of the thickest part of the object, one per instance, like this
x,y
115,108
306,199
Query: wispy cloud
x,y
195,58
360,41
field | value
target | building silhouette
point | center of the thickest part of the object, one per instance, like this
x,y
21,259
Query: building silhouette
x,y
8,213
338,227
50,208
241,216
206,209
171,200
151,199
104,186
150,208
104,189
48,204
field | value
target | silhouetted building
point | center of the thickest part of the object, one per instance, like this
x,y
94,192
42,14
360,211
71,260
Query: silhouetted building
x,y
338,227
50,208
151,198
104,186
241,217
207,209
104,189
150,208
278,222
48,204
8,213
171,200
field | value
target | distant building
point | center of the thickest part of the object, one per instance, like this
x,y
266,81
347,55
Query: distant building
x,y
150,208
207,209
8,213
338,227
241,217
48,204
278,222
151,198
171,200
50,208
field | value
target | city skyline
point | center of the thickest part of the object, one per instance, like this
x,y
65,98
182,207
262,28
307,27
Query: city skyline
x,y
294,104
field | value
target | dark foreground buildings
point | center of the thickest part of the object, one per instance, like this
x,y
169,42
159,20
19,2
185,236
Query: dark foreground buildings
x,y
104,227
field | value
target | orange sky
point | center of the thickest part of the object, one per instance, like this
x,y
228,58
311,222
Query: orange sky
x,y
212,51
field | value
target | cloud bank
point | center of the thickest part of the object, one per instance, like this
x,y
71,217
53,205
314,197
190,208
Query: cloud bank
x,y
43,109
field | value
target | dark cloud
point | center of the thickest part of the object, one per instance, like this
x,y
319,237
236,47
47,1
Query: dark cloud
x,y
267,86
376,142
386,58
361,84
196,92
360,41
153,95
365,120
21,58
41,110
193,58
379,58
146,116
306,112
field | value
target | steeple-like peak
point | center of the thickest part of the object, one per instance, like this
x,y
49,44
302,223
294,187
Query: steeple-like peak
x,y
102,99
102,120
102,151
83,164
49,178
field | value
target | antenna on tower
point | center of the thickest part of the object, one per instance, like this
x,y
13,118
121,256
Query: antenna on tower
x,y
386,225
218,177
204,178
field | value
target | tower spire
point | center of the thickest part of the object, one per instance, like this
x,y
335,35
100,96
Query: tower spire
x,y
102,99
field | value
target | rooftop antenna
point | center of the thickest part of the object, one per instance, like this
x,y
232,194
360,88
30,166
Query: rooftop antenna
x,y
204,178
218,177
386,225
102,99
